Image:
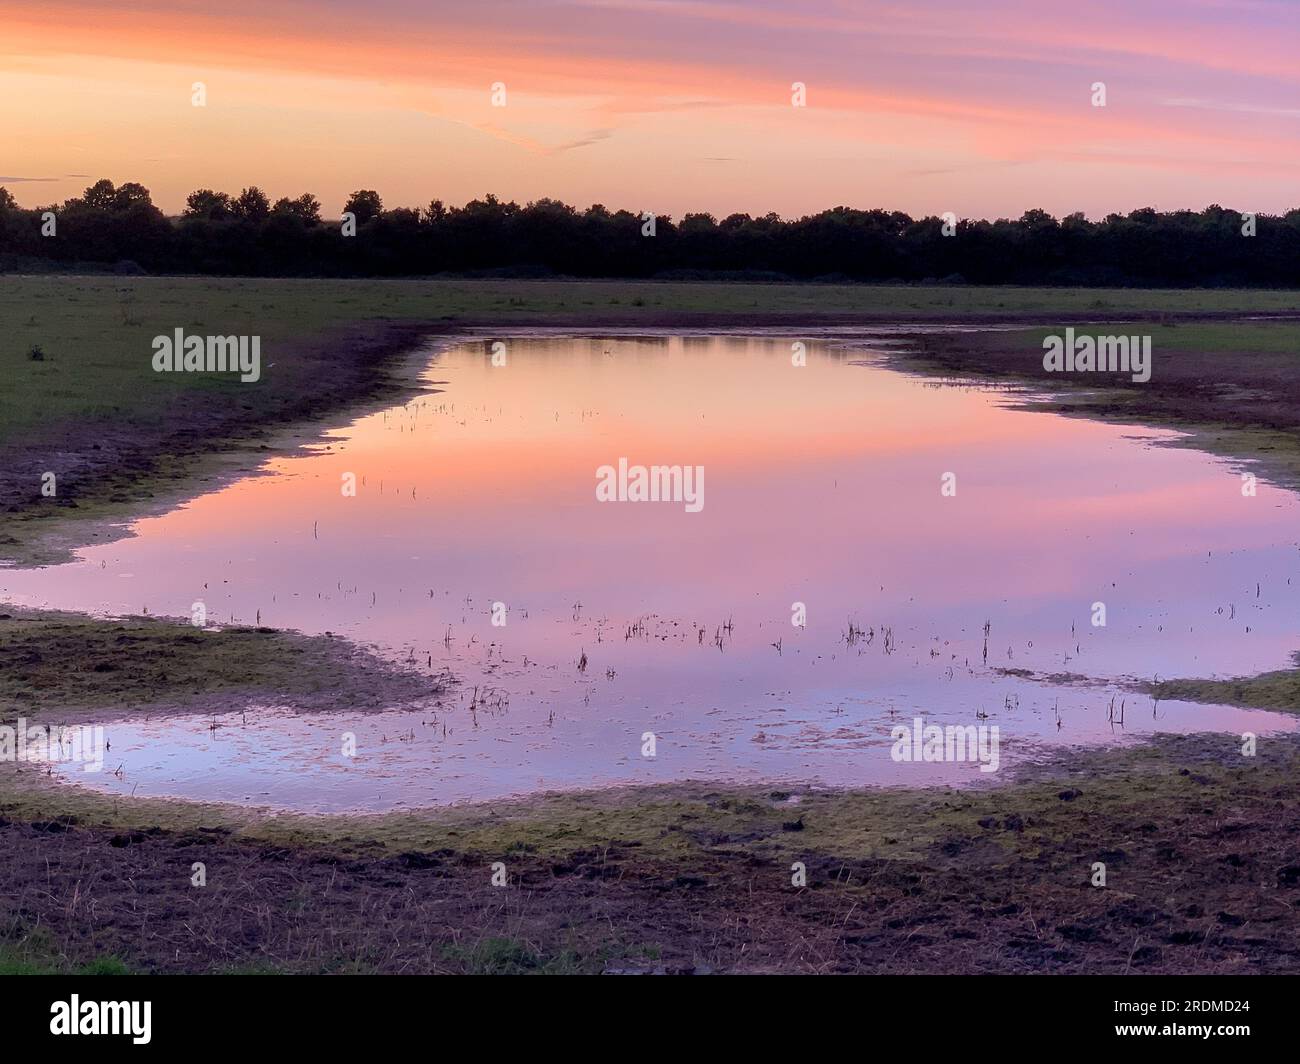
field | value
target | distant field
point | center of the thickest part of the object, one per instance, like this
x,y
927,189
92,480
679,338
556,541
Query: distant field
x,y
95,331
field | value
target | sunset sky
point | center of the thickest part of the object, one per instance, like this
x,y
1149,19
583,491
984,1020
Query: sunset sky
x,y
983,108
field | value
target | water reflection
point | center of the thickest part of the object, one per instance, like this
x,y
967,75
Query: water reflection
x,y
823,489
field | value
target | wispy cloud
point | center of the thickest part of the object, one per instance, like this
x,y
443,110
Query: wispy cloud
x,y
594,137
661,91
1235,108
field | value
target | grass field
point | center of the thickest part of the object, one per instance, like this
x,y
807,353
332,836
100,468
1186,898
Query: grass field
x,y
95,332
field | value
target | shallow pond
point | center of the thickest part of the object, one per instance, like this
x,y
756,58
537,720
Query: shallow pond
x,y
822,486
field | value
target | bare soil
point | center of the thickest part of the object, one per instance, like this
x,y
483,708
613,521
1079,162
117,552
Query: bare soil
x,y
1201,847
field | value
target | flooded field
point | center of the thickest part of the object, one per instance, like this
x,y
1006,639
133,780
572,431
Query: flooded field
x,y
581,630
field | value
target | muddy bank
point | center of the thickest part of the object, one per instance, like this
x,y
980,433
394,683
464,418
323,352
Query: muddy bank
x,y
69,667
1237,395
1201,847
1278,690
1269,690
112,468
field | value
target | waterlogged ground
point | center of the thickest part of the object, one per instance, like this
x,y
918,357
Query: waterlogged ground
x,y
822,486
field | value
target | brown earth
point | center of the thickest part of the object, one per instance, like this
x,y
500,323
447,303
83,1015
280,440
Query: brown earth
x,y
1202,849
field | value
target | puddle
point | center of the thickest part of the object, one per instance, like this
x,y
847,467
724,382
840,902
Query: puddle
x,y
822,486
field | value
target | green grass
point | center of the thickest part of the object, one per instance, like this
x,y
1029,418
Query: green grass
x,y
96,331
505,956
1271,344
24,951
1269,690
65,662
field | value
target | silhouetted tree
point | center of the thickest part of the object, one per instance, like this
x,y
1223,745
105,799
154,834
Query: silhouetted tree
x,y
221,234
131,195
101,196
365,204
251,205
306,208
204,203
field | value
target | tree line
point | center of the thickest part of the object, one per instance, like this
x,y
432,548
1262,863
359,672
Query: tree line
x,y
119,227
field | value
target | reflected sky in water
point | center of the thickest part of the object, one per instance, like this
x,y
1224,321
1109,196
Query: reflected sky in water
x,y
822,487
